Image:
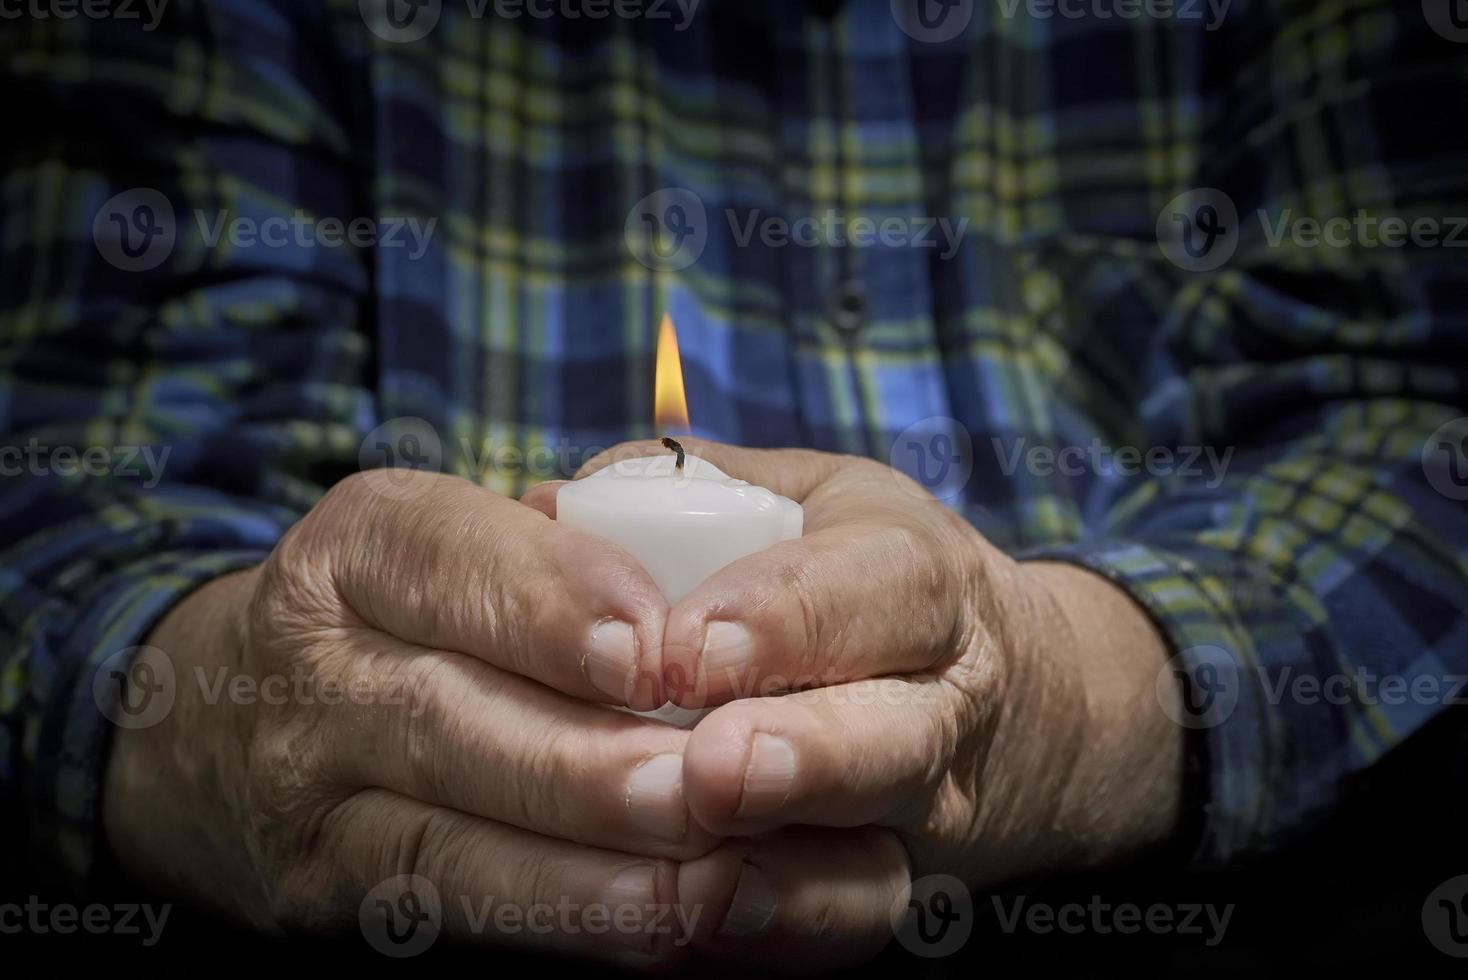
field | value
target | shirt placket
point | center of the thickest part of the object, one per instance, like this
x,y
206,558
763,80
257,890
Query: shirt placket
x,y
866,357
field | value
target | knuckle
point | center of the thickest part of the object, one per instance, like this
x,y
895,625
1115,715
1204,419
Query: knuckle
x,y
286,606
787,610
350,493
416,846
566,756
287,808
943,734
294,594
935,593
284,788
820,635
441,741
533,875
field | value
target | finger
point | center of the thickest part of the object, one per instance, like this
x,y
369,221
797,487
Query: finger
x,y
870,589
796,900
542,497
792,473
451,566
451,731
872,752
397,860
863,599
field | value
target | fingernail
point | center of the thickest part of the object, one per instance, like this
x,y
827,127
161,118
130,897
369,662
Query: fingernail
x,y
753,906
726,651
767,777
633,888
655,798
611,659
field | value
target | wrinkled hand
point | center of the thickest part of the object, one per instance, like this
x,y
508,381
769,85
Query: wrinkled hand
x,y
995,718
466,638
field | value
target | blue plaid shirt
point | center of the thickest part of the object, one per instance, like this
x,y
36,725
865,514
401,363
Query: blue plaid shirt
x,y
1034,260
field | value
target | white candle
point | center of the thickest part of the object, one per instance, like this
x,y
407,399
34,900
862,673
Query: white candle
x,y
682,526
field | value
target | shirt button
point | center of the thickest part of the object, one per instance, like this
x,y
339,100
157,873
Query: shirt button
x,y
849,309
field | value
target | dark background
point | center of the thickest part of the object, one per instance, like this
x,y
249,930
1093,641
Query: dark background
x,y
1345,901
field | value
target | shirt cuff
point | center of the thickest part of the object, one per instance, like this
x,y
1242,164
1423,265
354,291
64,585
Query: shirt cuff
x,y
1225,711
71,735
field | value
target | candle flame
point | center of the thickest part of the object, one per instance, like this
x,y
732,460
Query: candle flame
x,y
670,402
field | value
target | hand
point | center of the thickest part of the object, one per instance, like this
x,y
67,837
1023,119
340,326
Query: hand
x,y
470,636
997,718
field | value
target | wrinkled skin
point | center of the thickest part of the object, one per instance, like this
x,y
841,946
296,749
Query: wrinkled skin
x,y
952,711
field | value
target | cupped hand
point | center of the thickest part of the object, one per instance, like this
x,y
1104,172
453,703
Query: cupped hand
x,y
422,663
895,672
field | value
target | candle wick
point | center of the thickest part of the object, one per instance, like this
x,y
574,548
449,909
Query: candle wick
x,y
676,447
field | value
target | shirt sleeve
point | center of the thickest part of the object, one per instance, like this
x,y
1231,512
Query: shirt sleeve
x,y
172,396
1312,572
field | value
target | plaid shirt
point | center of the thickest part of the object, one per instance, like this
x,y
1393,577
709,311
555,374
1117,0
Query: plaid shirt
x,y
572,178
